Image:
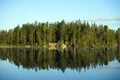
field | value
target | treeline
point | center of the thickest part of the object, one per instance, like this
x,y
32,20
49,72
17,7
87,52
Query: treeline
x,y
73,33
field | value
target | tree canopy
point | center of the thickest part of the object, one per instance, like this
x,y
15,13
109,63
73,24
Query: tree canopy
x,y
73,33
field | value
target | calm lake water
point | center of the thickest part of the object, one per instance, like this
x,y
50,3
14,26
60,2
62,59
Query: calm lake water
x,y
70,64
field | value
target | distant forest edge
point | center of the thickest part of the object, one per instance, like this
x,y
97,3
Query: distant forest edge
x,y
60,34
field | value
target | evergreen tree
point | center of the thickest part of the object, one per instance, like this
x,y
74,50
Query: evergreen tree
x,y
70,33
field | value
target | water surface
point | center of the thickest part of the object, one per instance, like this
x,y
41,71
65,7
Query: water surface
x,y
69,64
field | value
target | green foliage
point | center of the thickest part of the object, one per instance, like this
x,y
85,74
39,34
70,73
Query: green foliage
x,y
70,33
118,36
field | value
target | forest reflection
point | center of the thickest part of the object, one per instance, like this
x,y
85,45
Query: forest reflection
x,y
73,58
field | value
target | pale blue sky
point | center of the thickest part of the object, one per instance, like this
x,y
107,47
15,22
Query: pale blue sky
x,y
14,12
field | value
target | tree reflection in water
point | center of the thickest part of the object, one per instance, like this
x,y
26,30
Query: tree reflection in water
x,y
75,58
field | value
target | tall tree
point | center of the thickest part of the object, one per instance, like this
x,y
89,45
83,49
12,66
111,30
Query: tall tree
x,y
16,35
118,36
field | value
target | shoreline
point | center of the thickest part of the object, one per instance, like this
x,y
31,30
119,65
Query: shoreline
x,y
50,47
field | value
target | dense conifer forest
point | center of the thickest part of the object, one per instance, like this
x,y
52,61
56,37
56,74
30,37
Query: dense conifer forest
x,y
75,33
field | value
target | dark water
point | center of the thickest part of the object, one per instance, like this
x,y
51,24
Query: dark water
x,y
70,64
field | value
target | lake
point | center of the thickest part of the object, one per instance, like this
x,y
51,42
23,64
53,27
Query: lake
x,y
67,64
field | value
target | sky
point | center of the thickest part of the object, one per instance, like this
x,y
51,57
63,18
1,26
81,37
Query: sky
x,y
18,12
